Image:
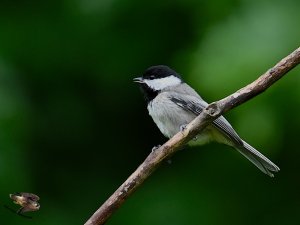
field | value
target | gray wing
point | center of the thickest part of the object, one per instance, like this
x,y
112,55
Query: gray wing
x,y
196,106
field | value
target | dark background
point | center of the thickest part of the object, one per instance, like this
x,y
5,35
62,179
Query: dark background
x,y
73,125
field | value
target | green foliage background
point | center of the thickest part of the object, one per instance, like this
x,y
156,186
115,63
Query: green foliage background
x,y
73,126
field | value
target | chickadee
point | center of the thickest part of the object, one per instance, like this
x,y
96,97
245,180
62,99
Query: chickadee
x,y
172,104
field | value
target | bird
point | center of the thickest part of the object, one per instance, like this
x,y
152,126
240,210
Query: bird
x,y
27,201
173,104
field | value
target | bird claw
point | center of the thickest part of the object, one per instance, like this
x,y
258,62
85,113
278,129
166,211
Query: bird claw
x,y
183,127
155,148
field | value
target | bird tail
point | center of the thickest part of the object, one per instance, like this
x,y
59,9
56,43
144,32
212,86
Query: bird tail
x,y
258,159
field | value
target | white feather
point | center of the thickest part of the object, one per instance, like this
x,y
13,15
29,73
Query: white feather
x,y
159,84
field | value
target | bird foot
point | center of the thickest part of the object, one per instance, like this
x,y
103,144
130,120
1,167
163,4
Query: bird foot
x,y
183,127
155,148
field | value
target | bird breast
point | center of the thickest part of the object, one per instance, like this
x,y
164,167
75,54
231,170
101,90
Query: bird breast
x,y
167,115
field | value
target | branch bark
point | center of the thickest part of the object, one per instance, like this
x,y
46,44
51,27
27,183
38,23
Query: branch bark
x,y
211,112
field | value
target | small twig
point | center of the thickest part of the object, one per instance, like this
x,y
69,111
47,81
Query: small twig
x,y
211,112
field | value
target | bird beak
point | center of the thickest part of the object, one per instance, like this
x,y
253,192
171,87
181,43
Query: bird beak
x,y
138,80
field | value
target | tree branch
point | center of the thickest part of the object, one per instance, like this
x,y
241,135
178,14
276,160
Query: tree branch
x,y
211,112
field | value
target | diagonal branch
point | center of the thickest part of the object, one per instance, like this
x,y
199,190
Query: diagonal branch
x,y
211,112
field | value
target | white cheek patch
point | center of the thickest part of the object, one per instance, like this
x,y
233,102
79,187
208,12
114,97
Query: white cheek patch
x,y
159,84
